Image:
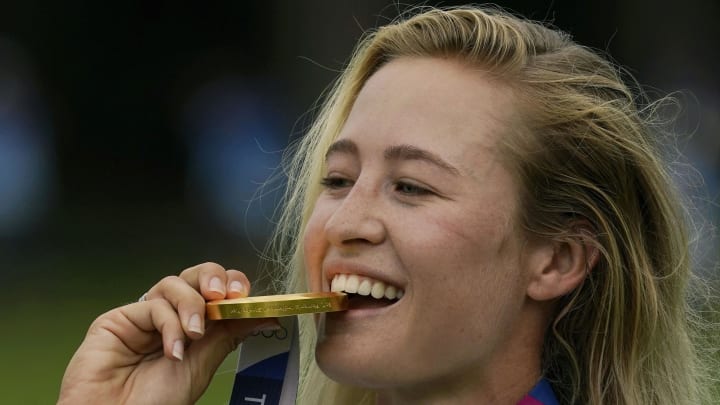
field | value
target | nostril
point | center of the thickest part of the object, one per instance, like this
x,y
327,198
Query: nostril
x,y
369,231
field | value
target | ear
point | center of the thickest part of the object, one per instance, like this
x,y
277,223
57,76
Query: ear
x,y
558,267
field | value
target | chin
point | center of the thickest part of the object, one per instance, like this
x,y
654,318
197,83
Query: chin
x,y
354,376
352,367
362,365
355,347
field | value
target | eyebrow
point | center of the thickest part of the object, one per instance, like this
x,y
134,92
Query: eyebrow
x,y
410,152
397,152
342,146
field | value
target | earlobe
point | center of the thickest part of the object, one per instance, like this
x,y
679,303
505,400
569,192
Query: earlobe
x,y
563,267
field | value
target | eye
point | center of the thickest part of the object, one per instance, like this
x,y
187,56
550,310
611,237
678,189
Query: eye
x,y
335,182
410,189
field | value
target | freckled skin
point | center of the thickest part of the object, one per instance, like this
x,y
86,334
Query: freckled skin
x,y
465,330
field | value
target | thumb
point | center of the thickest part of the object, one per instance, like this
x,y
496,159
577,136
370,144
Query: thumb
x,y
220,339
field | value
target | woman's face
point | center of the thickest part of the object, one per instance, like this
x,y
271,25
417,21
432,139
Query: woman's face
x,y
415,198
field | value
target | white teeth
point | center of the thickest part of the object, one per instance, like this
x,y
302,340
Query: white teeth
x,y
354,284
364,288
378,290
390,292
338,283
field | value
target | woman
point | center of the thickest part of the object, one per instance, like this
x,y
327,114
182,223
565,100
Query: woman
x,y
499,183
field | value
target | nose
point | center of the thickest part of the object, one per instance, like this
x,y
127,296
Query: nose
x,y
357,219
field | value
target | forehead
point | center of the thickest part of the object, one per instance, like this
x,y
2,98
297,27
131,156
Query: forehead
x,y
437,104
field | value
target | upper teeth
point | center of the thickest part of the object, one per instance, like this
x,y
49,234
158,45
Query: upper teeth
x,y
352,283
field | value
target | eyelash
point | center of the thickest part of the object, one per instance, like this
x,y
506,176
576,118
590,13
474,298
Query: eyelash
x,y
336,183
416,190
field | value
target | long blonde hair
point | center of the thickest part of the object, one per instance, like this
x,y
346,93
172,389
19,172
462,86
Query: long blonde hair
x,y
584,151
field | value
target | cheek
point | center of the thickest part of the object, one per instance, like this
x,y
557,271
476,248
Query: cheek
x,y
472,253
467,236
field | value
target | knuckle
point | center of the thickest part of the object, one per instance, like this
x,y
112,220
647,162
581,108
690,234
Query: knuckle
x,y
237,273
172,290
187,273
162,305
207,267
98,324
105,321
212,267
169,280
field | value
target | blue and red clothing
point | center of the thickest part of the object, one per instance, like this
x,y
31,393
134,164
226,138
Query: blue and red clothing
x,y
541,394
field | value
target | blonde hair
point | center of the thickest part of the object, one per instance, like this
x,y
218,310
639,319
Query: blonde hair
x,y
583,152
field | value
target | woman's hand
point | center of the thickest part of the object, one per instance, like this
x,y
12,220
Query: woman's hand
x,y
161,350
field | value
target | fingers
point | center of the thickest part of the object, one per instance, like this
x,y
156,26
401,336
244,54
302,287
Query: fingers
x,y
189,291
136,326
214,282
139,338
142,327
185,299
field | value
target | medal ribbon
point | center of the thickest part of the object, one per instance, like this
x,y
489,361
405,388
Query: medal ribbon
x,y
268,367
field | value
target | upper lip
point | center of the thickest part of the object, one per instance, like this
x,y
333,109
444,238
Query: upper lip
x,y
331,269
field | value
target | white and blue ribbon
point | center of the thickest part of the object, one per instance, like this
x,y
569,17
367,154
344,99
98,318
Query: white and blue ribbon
x,y
268,365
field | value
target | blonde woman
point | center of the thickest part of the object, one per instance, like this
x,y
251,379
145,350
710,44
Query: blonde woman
x,y
502,183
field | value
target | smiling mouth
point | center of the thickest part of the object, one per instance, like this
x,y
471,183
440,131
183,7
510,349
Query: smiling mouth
x,y
364,292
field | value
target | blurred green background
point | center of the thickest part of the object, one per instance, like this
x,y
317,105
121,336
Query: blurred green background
x,y
133,137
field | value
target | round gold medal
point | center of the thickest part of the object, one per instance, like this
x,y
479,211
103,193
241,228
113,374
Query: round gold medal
x,y
271,306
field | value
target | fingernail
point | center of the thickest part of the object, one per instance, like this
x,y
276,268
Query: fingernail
x,y
195,324
237,287
217,285
178,349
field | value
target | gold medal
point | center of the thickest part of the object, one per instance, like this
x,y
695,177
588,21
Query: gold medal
x,y
271,306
